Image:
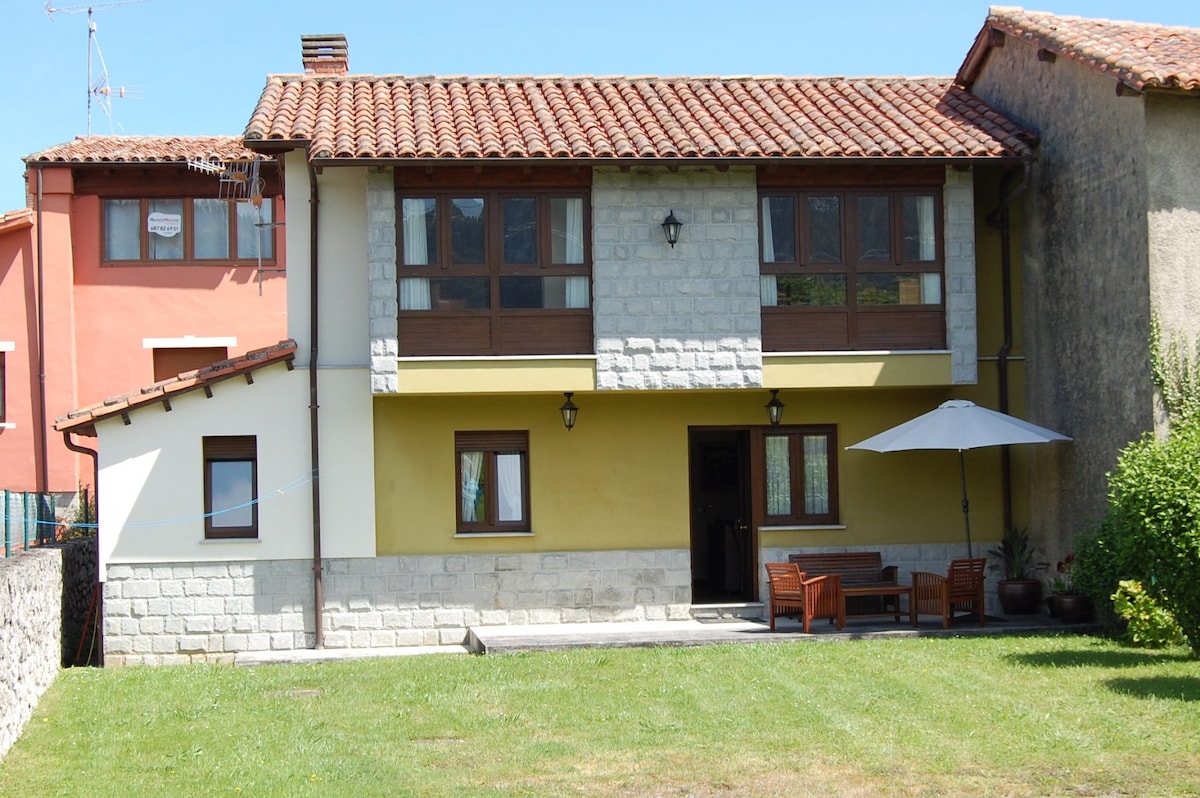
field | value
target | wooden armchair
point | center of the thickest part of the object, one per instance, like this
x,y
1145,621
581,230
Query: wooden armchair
x,y
960,590
793,596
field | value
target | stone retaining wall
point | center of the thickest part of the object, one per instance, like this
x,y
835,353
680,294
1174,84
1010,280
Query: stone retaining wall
x,y
208,612
30,635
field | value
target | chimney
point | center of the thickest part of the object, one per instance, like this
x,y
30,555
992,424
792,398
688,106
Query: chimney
x,y
325,54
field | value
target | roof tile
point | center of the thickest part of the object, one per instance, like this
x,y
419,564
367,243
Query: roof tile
x,y
1140,55
143,149
455,118
83,420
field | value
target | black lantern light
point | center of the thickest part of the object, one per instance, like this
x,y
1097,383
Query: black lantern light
x,y
569,411
671,227
774,409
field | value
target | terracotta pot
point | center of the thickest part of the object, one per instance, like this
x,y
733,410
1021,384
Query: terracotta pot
x,y
1019,596
1073,609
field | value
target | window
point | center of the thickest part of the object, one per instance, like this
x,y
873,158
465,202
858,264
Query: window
x,y
492,478
851,269
800,475
195,229
494,272
230,486
170,361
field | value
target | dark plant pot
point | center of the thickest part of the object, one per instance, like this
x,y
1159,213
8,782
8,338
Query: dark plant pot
x,y
1073,609
1019,596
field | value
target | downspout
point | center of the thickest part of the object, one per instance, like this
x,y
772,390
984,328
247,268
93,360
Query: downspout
x,y
43,442
92,453
1000,219
314,429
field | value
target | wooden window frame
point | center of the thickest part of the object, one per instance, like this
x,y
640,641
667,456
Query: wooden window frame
x,y
855,326
188,233
230,448
795,434
491,443
496,330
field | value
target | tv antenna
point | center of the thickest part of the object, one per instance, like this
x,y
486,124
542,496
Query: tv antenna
x,y
97,86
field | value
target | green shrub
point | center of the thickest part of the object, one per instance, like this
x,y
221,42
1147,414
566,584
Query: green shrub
x,y
1153,522
1150,624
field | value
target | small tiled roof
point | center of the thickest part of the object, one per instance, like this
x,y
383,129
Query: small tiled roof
x,y
83,420
19,219
1140,55
143,149
601,118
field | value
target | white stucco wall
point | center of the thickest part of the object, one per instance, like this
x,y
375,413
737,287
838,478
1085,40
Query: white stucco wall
x,y
152,485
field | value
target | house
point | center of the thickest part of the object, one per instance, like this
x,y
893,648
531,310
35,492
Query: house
x,y
1111,233
128,267
541,332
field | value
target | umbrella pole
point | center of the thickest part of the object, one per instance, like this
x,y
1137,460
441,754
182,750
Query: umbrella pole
x,y
962,467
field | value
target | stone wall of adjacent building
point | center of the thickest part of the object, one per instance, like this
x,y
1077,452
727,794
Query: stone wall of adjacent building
x,y
682,317
31,586
189,612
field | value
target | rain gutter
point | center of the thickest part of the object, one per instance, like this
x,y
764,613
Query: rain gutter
x,y
313,411
1001,220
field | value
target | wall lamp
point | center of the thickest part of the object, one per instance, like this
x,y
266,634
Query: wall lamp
x,y
569,411
775,408
671,227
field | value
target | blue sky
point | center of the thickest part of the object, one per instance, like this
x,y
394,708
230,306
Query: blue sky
x,y
197,66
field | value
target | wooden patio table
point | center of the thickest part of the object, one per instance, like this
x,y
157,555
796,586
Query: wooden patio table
x,y
881,589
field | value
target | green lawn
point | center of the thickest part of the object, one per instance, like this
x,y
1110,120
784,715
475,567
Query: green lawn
x,y
996,716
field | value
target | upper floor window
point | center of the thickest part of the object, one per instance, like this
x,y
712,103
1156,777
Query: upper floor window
x,y
851,269
494,272
186,230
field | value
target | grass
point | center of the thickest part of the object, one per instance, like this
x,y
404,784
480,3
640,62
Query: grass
x,y
982,716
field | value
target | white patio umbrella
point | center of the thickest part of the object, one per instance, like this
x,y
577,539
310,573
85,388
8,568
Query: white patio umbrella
x,y
959,424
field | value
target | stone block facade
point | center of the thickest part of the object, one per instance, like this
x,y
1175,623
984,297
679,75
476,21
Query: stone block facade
x,y
381,276
958,208
30,635
208,612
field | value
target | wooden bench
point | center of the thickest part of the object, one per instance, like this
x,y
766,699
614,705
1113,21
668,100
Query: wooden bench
x,y
869,588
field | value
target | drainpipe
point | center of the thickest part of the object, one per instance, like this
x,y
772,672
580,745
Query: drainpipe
x,y
43,443
313,406
92,453
999,219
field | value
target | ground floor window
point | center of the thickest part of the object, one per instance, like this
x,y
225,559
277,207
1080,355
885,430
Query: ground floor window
x,y
231,486
492,474
800,475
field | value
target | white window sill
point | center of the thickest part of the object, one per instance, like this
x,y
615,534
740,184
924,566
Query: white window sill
x,y
804,528
221,541
7,425
472,535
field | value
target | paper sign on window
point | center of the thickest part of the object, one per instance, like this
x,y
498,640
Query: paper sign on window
x,y
167,225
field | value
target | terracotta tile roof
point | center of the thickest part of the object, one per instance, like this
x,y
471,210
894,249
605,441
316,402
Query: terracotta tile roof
x,y
16,220
83,420
142,149
590,118
1140,55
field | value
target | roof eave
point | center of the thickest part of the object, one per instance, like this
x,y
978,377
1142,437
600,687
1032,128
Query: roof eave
x,y
778,160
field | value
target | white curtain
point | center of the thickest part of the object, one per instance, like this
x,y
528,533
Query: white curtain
x,y
414,293
816,475
511,496
768,286
768,233
470,466
574,234
926,243
416,244
779,476
577,292
931,288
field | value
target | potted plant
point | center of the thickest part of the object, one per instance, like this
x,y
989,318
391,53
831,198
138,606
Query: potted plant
x,y
1066,602
1019,590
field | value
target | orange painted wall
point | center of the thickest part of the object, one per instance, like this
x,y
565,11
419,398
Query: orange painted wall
x,y
97,316
17,444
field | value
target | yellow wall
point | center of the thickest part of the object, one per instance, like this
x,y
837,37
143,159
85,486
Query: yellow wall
x,y
619,480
